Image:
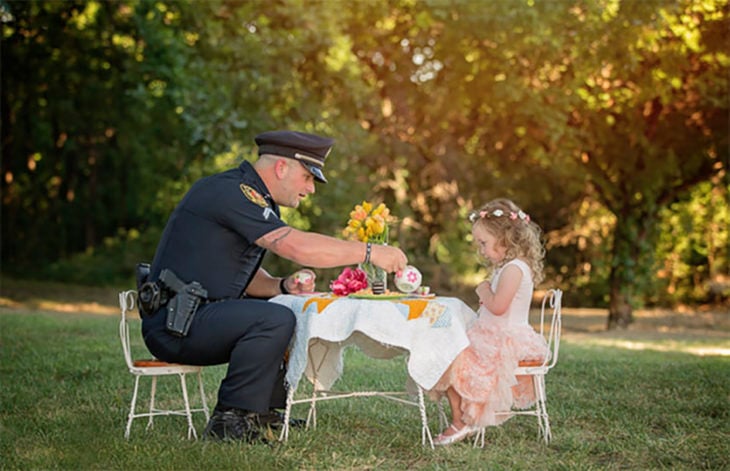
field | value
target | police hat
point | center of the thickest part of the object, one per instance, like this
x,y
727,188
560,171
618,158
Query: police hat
x,y
309,149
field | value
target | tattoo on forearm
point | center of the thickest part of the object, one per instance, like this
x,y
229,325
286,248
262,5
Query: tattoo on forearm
x,y
272,243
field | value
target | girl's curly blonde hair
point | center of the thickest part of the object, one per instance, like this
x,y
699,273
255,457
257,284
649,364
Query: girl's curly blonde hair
x,y
514,230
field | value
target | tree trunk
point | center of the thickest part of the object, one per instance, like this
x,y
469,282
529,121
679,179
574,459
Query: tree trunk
x,y
620,312
625,278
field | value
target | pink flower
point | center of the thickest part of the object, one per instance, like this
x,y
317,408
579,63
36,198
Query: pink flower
x,y
349,281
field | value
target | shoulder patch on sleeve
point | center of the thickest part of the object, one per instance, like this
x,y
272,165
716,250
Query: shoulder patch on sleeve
x,y
253,195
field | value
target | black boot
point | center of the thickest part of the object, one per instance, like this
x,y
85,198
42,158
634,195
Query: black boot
x,y
232,424
275,420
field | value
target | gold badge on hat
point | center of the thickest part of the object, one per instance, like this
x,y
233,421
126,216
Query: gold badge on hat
x,y
253,195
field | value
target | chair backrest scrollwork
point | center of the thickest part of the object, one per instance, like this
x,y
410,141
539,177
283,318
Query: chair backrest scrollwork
x,y
127,302
552,303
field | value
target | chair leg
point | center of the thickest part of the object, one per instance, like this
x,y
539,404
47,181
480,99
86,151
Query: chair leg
x,y
544,418
153,391
130,417
206,411
543,421
479,437
312,414
188,414
538,404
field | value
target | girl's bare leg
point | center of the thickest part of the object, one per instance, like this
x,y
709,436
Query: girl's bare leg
x,y
455,404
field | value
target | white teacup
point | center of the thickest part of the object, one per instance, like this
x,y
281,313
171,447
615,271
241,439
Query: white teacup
x,y
302,277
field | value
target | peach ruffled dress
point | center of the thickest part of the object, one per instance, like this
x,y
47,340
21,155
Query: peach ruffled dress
x,y
483,373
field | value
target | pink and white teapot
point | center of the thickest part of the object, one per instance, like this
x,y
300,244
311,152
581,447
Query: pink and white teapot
x,y
408,280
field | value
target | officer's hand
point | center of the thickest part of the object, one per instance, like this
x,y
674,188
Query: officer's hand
x,y
389,258
302,281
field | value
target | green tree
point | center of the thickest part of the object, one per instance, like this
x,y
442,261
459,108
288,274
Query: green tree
x,y
651,122
625,102
89,121
598,118
693,254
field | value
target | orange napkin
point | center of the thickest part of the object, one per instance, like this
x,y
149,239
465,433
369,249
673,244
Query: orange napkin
x,y
321,303
415,307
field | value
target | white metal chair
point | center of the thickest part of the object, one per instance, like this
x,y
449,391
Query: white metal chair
x,y
550,327
155,368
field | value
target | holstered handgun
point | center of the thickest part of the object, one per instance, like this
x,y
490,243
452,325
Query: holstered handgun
x,y
182,307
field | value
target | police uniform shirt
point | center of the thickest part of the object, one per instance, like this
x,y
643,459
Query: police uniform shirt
x,y
211,234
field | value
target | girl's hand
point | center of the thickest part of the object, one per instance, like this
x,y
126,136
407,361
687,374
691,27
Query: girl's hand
x,y
499,300
484,291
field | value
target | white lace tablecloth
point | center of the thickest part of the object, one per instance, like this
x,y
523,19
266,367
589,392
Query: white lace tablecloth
x,y
430,331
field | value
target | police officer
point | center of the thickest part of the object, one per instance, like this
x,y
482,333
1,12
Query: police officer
x,y
217,237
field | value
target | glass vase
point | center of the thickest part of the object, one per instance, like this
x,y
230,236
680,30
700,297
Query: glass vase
x,y
377,277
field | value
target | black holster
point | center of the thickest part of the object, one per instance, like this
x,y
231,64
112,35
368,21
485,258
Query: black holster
x,y
182,306
181,299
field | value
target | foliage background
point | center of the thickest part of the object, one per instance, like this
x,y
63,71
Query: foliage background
x,y
607,121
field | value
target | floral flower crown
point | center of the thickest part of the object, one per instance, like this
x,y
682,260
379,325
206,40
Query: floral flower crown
x,y
498,213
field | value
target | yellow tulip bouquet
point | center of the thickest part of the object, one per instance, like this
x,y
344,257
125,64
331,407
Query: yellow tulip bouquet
x,y
370,224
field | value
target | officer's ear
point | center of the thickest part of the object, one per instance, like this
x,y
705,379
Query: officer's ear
x,y
281,167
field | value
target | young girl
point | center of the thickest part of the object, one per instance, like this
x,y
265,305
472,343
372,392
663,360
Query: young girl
x,y
481,379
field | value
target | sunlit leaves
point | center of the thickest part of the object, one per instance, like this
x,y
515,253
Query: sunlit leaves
x,y
435,107
85,18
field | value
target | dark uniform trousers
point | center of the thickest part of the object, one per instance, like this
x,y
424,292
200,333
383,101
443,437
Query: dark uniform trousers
x,y
251,335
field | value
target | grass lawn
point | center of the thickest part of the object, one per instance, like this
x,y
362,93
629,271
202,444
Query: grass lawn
x,y
654,397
